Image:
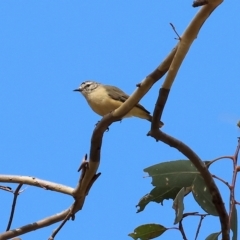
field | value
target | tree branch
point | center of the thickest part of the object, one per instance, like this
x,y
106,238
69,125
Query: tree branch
x,y
37,182
193,157
234,178
34,226
186,40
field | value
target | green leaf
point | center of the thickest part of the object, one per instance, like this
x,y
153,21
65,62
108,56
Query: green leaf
x,y
158,194
178,204
213,236
170,177
148,231
203,196
180,173
234,223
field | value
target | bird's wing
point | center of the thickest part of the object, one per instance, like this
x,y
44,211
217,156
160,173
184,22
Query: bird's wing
x,y
119,95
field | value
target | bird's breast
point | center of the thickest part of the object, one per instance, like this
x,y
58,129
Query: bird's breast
x,y
101,102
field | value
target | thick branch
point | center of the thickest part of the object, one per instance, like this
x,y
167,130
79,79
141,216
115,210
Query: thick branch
x,y
185,42
193,157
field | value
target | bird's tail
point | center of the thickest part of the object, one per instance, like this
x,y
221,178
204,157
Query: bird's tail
x,y
142,113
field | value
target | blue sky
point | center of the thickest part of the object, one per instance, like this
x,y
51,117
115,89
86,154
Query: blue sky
x,y
48,48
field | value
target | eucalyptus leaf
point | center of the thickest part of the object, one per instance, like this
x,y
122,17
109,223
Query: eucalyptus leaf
x,y
213,236
178,205
180,173
158,195
202,196
148,231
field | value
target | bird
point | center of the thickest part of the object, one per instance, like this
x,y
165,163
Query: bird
x,y
103,99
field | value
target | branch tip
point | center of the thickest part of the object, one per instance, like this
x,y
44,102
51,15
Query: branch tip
x,y
174,29
199,3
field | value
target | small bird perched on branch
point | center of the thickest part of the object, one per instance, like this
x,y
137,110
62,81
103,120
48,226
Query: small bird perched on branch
x,y
103,99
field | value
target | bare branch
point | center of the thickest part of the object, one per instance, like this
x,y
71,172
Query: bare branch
x,y
236,202
182,230
199,226
34,226
16,192
195,214
186,40
37,183
55,232
5,188
174,29
234,178
219,158
221,180
87,177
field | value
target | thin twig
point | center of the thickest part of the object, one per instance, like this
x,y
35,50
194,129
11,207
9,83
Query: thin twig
x,y
174,29
219,158
195,214
221,180
199,226
55,232
236,202
5,188
182,230
234,178
198,3
16,193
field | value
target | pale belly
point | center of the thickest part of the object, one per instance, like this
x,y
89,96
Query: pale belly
x,y
101,103
102,106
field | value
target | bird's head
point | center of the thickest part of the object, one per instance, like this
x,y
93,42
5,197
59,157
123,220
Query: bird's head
x,y
87,87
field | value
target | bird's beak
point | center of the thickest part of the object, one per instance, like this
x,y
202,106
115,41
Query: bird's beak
x,y
77,90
